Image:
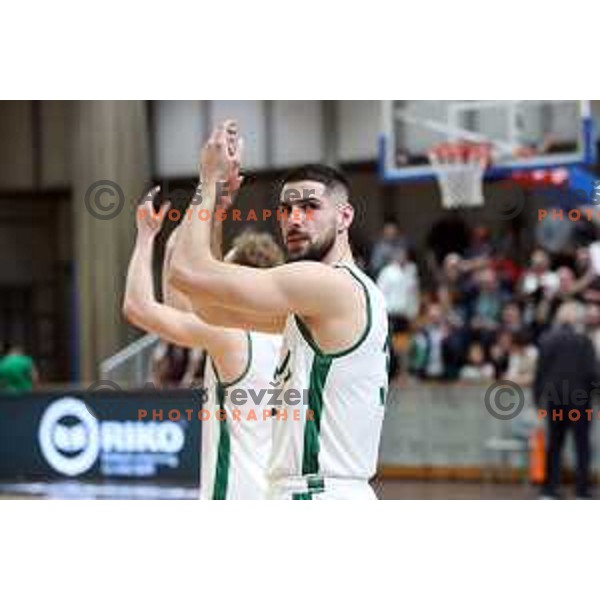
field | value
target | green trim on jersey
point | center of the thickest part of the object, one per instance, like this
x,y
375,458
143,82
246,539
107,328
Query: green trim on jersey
x,y
281,368
244,372
312,428
223,453
311,341
224,450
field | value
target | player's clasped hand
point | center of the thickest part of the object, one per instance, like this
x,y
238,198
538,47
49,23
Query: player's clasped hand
x,y
220,161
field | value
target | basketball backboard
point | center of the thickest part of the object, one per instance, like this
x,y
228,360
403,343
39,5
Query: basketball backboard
x,y
524,134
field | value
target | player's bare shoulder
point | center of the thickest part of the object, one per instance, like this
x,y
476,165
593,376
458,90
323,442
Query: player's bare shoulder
x,y
342,305
318,291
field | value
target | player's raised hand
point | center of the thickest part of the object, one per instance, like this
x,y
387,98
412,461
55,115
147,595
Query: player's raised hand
x,y
235,148
149,220
221,157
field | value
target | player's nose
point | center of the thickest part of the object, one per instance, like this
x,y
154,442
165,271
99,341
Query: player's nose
x,y
297,216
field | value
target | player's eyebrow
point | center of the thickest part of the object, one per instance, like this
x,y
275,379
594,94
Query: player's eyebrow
x,y
289,203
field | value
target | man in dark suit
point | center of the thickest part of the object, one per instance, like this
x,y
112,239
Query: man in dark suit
x,y
563,386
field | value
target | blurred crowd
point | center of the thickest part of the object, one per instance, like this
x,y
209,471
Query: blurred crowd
x,y
476,315
172,366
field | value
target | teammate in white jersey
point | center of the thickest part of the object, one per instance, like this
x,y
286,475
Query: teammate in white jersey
x,y
235,446
334,323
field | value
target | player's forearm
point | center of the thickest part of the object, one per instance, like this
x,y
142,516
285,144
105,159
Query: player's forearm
x,y
139,288
172,325
172,296
142,309
193,245
193,257
216,239
140,306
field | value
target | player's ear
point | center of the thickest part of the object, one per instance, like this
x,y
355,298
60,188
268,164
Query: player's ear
x,y
345,216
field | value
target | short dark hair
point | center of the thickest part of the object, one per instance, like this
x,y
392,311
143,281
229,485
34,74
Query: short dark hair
x,y
330,177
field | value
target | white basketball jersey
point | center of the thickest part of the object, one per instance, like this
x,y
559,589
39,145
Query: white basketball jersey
x,y
343,395
236,448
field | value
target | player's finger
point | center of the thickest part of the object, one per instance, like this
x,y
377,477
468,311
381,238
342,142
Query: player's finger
x,y
217,134
231,131
239,151
230,126
213,136
220,140
232,144
149,197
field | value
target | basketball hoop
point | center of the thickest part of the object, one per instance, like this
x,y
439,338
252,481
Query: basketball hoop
x,y
459,168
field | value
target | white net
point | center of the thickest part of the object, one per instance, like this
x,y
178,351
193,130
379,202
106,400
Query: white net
x,y
459,168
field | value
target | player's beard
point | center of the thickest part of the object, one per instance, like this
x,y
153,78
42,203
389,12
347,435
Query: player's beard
x,y
314,250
